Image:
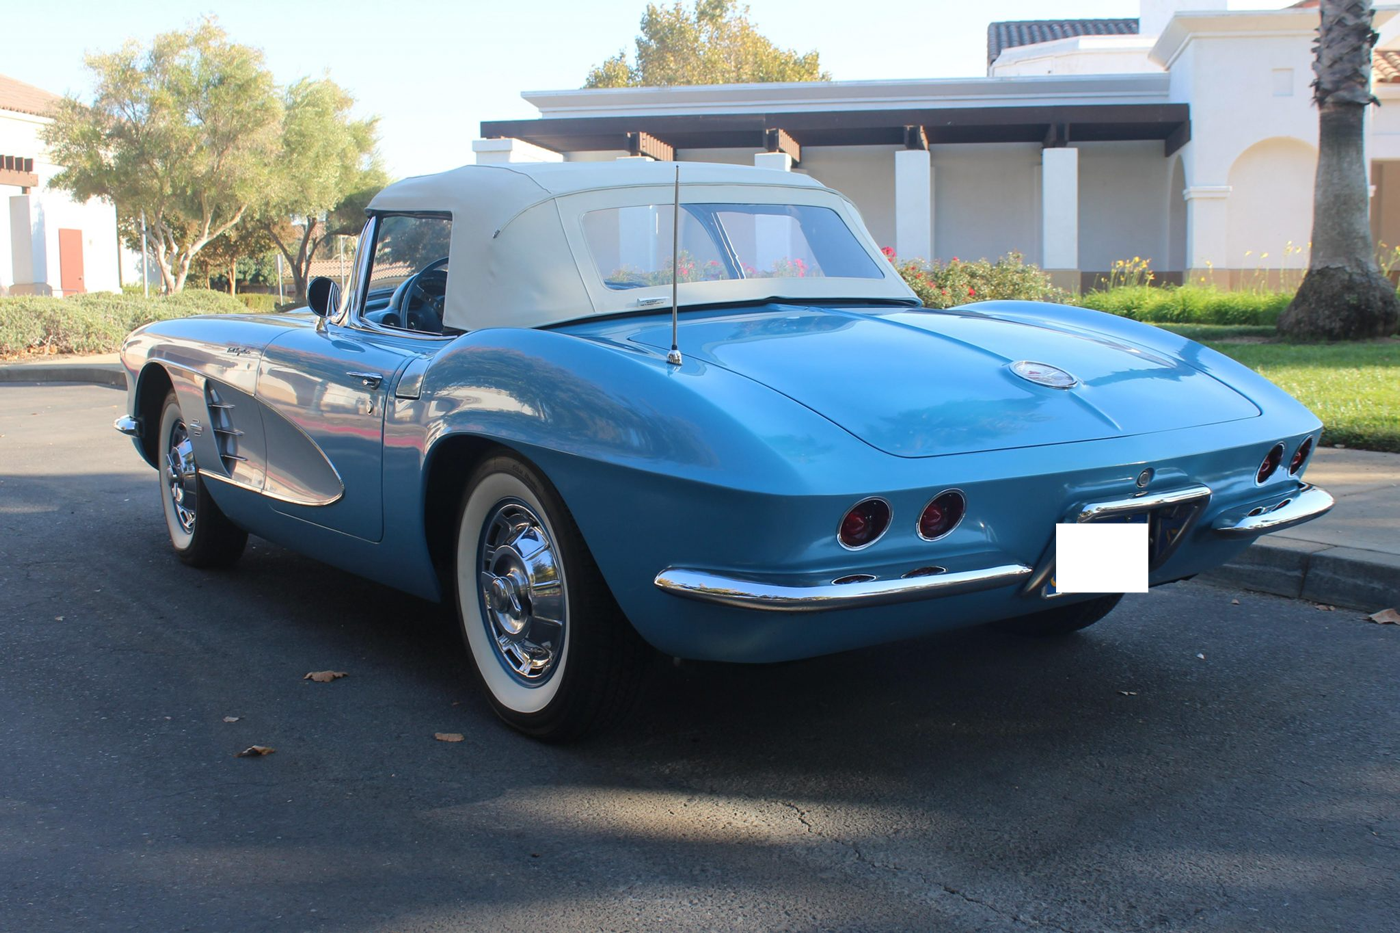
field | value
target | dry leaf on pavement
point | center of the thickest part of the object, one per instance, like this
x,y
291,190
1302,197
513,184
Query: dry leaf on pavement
x,y
324,677
448,736
1385,617
232,718
1234,602
255,751
1323,607
1128,693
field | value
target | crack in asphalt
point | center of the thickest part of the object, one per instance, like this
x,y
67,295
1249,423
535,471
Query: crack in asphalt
x,y
931,882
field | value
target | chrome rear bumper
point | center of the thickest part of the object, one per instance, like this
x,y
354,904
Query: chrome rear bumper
x,y
755,593
749,593
1303,506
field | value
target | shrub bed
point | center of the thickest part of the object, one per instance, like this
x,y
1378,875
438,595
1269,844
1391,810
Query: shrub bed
x,y
262,304
1189,304
95,322
946,285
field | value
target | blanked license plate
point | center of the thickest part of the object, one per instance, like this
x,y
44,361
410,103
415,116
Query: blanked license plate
x,y
1106,556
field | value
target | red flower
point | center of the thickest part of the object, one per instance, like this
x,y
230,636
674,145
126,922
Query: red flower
x,y
889,252
955,259
971,291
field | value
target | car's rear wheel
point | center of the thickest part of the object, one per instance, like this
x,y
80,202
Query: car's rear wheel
x,y
201,534
548,642
1061,620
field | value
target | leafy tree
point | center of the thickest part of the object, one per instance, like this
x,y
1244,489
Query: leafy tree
x,y
324,177
184,130
713,43
1343,295
227,251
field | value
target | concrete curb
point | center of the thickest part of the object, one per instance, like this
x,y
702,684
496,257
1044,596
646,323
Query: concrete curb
x,y
102,374
1337,576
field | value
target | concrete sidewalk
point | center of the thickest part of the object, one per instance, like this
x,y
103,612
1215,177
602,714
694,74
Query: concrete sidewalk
x,y
103,369
1350,557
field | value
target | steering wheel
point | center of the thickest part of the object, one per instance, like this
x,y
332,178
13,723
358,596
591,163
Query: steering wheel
x,y
411,289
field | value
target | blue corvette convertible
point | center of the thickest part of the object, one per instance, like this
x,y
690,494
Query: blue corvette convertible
x,y
505,410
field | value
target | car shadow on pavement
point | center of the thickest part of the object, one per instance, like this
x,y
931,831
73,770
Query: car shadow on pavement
x,y
1187,763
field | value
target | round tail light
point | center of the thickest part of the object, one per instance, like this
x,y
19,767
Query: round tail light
x,y
1270,464
1300,456
863,525
942,515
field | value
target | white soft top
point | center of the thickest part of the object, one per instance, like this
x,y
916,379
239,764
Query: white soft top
x,y
519,257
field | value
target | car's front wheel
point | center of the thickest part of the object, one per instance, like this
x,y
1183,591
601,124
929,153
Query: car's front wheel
x,y
549,644
202,535
1061,620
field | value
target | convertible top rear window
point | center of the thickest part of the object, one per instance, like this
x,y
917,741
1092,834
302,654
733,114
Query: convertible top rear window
x,y
631,246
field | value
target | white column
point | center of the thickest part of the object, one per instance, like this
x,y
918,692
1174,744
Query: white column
x,y
497,151
913,204
1059,210
775,160
1207,239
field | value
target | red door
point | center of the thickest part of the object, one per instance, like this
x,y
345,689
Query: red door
x,y
70,261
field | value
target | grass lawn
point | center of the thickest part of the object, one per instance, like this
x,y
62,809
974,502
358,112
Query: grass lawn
x,y
1353,387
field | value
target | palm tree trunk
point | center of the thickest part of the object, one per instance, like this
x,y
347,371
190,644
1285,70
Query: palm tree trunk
x,y
1344,296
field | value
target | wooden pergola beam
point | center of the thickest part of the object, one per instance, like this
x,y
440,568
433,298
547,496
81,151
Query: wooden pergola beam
x,y
776,139
17,170
641,143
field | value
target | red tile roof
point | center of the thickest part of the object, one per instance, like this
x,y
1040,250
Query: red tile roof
x,y
1012,33
1385,66
25,98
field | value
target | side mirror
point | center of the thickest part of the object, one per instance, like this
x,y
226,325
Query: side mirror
x,y
323,296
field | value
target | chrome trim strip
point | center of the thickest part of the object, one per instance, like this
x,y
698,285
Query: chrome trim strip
x,y
747,593
1096,510
128,425
241,484
1302,506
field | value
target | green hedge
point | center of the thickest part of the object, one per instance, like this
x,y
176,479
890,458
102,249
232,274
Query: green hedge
x,y
262,304
96,322
1189,304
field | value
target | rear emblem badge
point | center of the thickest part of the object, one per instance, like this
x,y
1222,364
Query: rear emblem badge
x,y
1044,374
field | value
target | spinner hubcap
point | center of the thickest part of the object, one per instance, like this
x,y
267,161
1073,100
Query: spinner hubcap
x,y
522,592
182,477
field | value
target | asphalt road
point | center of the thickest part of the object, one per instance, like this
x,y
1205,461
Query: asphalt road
x,y
970,781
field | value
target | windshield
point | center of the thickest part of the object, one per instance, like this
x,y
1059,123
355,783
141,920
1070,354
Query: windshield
x,y
631,246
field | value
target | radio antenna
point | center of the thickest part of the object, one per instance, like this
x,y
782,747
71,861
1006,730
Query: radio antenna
x,y
674,357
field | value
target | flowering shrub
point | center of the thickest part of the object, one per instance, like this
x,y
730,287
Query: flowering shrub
x,y
941,285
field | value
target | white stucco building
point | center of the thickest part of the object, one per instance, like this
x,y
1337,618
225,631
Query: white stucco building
x,y
1187,136
49,243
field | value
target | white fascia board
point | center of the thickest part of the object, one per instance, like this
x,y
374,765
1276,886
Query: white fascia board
x,y
1075,44
1013,91
1240,24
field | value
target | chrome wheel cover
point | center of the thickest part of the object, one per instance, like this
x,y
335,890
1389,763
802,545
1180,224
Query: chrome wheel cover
x,y
182,477
521,589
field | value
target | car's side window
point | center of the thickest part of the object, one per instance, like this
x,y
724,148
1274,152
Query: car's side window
x,y
407,279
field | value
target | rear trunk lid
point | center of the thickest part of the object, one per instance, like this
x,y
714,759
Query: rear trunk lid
x,y
925,383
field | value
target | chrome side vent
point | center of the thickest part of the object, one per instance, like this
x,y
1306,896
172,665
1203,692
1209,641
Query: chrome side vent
x,y
225,434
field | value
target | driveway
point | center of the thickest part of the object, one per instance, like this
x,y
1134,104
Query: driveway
x,y
1204,759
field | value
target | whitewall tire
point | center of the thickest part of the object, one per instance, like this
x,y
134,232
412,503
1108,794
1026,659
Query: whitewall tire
x,y
200,533
548,643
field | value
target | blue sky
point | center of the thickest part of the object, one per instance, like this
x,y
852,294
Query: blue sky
x,y
433,71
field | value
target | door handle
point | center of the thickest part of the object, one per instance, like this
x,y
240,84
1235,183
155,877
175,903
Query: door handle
x,y
368,380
